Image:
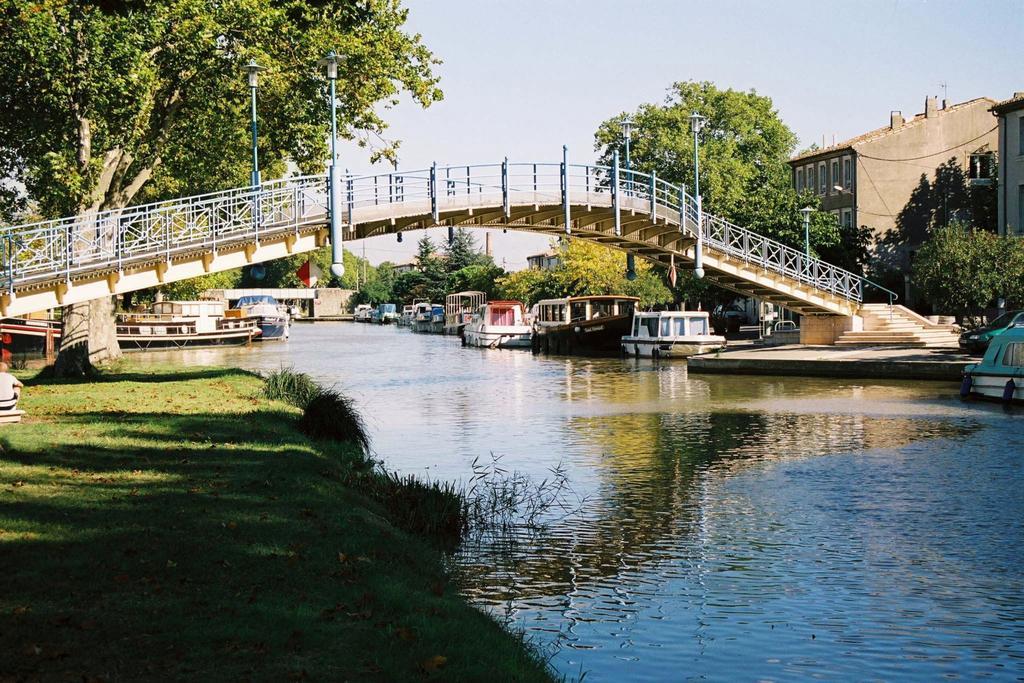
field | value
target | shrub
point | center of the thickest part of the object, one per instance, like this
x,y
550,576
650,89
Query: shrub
x,y
329,414
295,388
326,412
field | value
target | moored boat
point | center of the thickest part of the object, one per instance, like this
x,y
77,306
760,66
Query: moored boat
x,y
670,334
437,319
421,316
28,337
459,309
271,316
362,313
1000,374
181,324
385,314
499,325
408,314
583,325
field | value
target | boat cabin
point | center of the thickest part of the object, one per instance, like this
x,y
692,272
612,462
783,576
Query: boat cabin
x,y
459,309
206,314
502,313
551,312
670,324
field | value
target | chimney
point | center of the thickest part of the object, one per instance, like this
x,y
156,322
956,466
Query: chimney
x,y
945,103
931,107
895,119
487,243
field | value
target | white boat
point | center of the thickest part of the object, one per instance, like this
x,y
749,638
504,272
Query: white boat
x,y
271,316
670,334
180,324
405,320
421,316
499,325
362,313
1000,374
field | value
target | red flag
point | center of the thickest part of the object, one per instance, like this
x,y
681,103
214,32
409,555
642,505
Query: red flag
x,y
309,273
672,271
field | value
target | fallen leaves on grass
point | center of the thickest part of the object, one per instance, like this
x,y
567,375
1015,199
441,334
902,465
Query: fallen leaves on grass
x,y
435,663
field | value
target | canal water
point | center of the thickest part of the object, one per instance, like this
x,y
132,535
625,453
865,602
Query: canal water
x,y
720,527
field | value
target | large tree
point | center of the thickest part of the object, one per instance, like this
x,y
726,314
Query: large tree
x,y
743,149
104,104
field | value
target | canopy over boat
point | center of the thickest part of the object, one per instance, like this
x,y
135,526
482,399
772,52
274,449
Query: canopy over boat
x,y
254,299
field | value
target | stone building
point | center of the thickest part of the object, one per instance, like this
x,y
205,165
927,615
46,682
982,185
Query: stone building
x,y
868,180
1011,165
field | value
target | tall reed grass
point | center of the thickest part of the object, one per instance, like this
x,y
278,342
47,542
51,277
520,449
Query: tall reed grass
x,y
326,412
495,501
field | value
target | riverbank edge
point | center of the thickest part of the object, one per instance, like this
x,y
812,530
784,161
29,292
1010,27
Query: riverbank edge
x,y
418,623
754,363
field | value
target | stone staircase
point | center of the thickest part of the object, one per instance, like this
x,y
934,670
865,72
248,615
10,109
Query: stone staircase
x,y
898,327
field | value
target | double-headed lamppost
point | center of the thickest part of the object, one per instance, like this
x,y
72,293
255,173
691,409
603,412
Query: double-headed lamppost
x,y
253,69
333,181
696,123
627,133
806,213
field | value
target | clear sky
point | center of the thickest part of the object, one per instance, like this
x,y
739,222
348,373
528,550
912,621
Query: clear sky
x,y
523,77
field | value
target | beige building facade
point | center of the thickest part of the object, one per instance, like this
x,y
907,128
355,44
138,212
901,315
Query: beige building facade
x,y
1010,199
867,180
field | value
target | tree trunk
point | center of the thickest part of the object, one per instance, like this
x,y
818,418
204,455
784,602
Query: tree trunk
x,y
89,338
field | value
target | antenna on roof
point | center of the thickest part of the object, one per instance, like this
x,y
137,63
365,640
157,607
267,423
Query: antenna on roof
x,y
944,93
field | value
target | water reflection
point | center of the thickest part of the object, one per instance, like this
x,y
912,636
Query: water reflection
x,y
734,527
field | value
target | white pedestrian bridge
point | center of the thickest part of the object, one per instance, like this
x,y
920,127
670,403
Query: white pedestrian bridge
x,y
59,262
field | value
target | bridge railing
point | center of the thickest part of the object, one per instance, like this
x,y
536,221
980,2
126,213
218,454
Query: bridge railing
x,y
114,239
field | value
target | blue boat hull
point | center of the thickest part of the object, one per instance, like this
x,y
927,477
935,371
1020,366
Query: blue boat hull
x,y
273,329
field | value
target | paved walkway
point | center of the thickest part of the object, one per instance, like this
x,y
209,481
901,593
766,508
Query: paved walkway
x,y
838,361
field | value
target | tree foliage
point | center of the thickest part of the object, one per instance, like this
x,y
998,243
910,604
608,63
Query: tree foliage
x,y
192,289
586,268
963,271
744,149
104,103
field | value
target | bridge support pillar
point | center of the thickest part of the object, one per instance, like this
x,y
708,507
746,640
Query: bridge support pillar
x,y
824,330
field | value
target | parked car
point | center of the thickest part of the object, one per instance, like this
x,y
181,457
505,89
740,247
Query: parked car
x,y
978,339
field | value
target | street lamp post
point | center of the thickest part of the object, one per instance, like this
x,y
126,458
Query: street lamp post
x,y
696,123
333,181
806,213
252,69
627,133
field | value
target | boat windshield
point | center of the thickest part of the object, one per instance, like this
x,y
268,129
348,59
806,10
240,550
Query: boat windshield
x,y
645,327
254,299
1013,355
602,309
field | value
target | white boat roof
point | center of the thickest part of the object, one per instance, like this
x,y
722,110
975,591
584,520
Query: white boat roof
x,y
590,297
671,314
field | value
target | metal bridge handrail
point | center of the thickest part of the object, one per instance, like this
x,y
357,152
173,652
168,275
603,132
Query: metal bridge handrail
x,y
117,237
893,296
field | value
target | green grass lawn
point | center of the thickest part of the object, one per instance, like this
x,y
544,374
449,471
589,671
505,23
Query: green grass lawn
x,y
160,524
